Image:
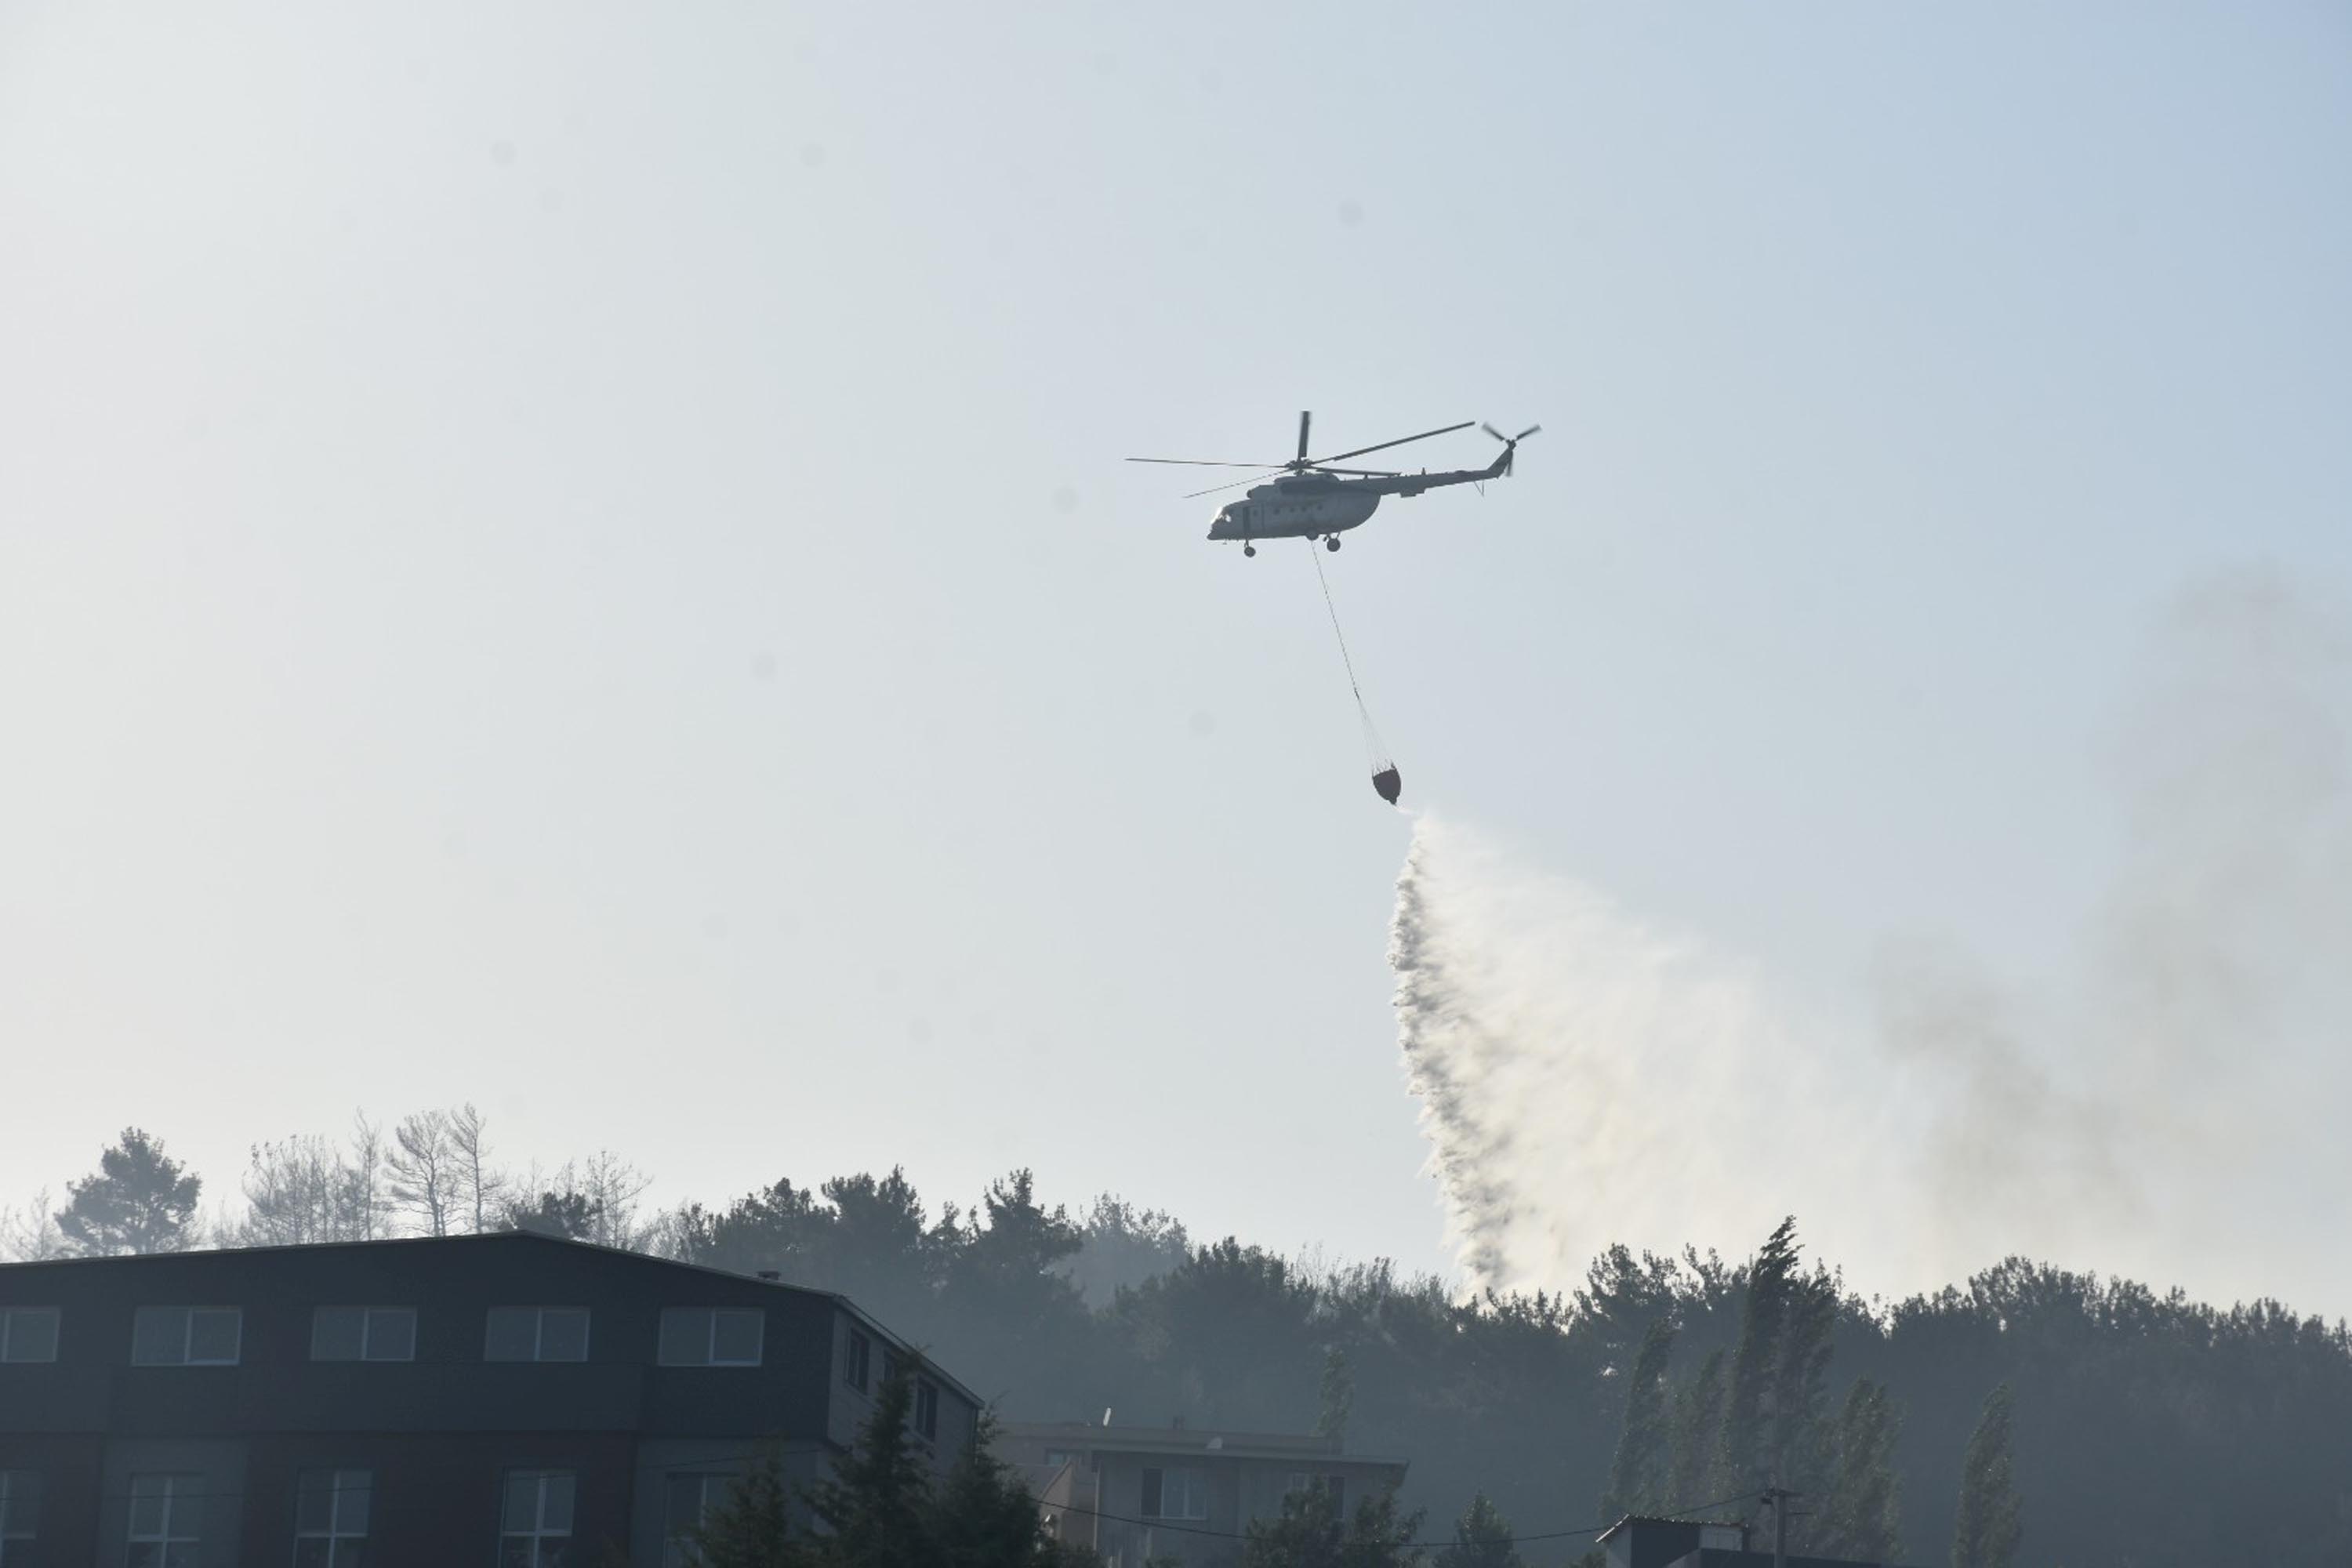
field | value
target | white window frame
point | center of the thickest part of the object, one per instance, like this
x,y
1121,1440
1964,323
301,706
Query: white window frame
x,y
857,1362
1195,1488
539,1333
188,1337
20,1510
711,1316
8,1316
367,1330
539,1534
926,1411
179,1487
339,1484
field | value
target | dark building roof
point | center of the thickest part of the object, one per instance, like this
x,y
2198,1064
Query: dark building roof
x,y
593,1390
418,1249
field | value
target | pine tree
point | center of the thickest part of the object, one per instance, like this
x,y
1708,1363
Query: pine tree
x,y
1744,1454
984,1518
1640,1475
140,1201
1988,1530
753,1527
874,1509
1482,1539
1862,1512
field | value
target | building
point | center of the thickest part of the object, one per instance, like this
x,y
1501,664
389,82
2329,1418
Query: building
x,y
1636,1541
508,1398
1140,1493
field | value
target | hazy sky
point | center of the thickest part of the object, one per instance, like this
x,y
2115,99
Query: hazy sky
x,y
575,557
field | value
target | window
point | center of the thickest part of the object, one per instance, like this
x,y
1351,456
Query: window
x,y
1334,1487
1175,1494
711,1336
537,1333
364,1333
693,1498
165,1511
926,1409
185,1336
20,1515
330,1517
857,1370
535,1528
28,1333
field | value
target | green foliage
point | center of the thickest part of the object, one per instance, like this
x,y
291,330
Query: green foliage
x,y
1338,1394
1989,1528
1745,1450
875,1510
1312,1534
1482,1539
1861,1513
2160,1432
140,1200
1797,1434
1639,1477
572,1216
753,1527
879,1509
1698,1426
984,1518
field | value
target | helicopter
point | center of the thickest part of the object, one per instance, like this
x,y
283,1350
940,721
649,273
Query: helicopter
x,y
1312,499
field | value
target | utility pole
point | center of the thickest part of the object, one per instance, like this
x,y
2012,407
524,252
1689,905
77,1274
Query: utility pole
x,y
1777,1499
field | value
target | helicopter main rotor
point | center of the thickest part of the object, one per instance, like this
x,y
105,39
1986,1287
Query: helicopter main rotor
x,y
1302,463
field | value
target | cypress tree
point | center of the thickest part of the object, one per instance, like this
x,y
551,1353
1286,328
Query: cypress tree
x,y
1698,1418
1639,1476
1797,1430
1338,1394
1989,1529
1745,1455
1862,1514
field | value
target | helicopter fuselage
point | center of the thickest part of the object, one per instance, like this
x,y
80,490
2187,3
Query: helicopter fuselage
x,y
1311,505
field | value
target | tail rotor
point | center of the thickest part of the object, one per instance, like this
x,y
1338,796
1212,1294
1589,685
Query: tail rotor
x,y
1510,442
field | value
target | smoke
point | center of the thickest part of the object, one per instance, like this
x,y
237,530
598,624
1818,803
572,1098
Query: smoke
x,y
2165,1107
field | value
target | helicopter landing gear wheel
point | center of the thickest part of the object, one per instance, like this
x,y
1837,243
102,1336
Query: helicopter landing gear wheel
x,y
1249,549
1332,543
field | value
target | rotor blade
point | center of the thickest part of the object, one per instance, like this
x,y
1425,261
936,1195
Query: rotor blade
x,y
1305,419
1237,484
1530,430
1425,434
1203,463
1360,473
1498,434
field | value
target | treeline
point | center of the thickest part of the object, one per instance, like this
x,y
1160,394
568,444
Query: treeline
x,y
2106,1423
